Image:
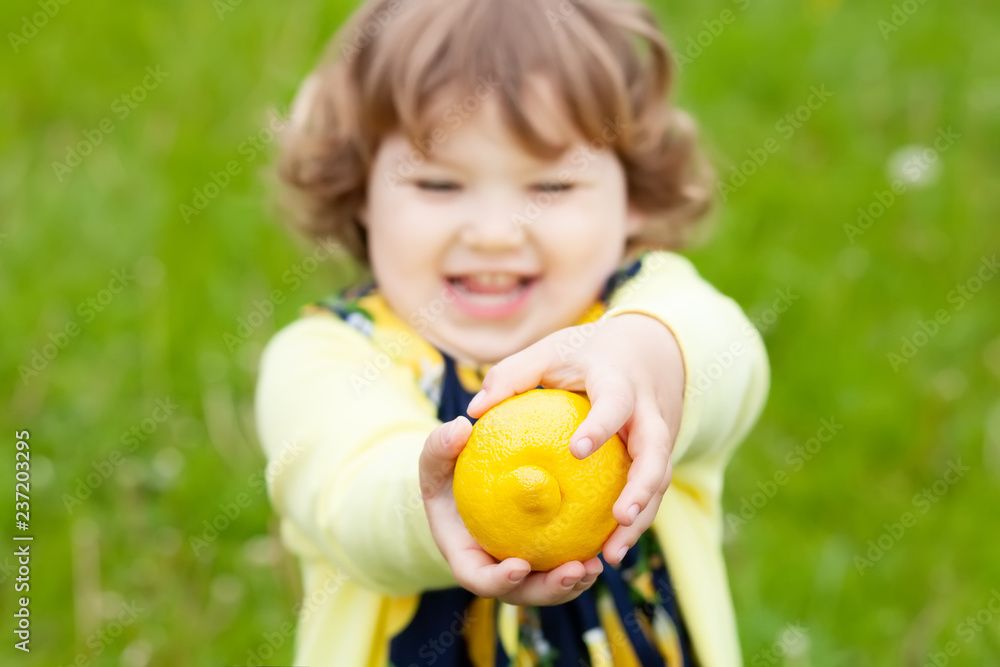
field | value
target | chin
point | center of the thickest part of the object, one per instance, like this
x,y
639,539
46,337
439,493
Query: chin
x,y
484,350
484,353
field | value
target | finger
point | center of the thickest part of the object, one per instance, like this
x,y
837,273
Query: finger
x,y
474,569
624,538
650,471
594,567
612,402
548,588
516,374
479,573
441,449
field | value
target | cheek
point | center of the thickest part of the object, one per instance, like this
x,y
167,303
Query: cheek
x,y
398,262
407,258
398,235
584,249
590,231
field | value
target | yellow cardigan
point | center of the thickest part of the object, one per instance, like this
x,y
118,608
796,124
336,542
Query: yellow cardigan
x,y
343,417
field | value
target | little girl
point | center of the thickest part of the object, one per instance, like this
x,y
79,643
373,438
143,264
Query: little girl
x,y
511,172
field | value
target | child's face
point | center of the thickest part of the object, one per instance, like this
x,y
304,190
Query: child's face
x,y
483,248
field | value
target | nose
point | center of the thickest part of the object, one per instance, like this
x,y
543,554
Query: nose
x,y
494,224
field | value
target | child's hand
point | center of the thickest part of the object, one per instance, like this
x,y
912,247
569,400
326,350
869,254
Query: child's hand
x,y
631,368
511,580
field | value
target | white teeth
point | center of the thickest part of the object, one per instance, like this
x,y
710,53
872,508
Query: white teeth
x,y
489,299
495,279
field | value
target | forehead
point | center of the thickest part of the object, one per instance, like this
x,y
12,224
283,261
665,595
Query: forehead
x,y
459,113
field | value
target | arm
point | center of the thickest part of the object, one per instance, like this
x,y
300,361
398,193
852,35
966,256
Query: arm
x,y
726,376
343,456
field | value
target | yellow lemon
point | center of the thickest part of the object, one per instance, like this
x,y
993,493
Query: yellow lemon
x,y
522,494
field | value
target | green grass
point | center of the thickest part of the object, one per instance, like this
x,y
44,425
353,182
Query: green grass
x,y
162,336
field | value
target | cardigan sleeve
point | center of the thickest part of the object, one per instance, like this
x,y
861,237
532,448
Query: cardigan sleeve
x,y
343,452
726,369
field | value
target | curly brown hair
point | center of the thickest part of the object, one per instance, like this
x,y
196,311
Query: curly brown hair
x,y
383,70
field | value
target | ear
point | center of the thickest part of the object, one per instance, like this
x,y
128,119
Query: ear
x,y
635,221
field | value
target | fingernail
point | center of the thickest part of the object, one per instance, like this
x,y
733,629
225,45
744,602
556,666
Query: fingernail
x,y
633,512
476,400
621,554
583,447
567,582
517,577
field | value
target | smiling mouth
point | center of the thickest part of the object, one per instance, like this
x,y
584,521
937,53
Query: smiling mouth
x,y
491,283
491,295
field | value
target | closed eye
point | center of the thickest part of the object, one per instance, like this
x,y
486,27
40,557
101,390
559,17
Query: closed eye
x,y
553,187
438,186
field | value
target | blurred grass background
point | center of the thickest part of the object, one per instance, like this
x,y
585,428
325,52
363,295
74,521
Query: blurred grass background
x,y
117,578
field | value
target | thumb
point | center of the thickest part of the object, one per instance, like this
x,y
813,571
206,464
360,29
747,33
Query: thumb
x,y
441,450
